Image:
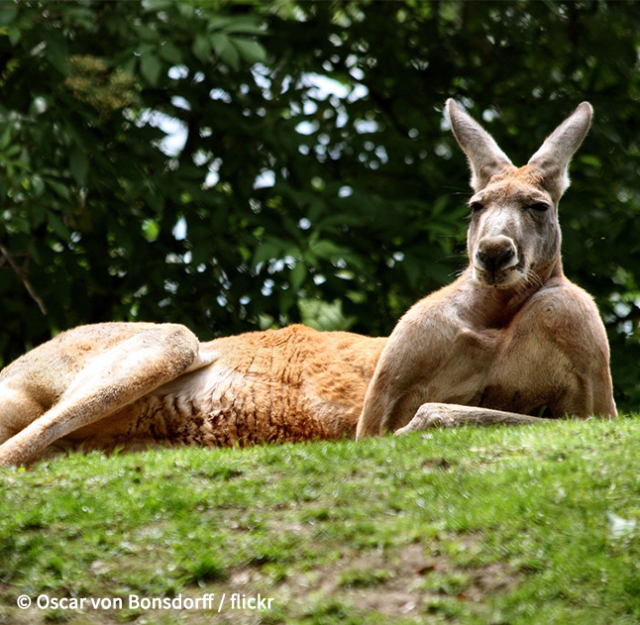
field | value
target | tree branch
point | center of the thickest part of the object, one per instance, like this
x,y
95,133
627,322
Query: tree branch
x,y
27,285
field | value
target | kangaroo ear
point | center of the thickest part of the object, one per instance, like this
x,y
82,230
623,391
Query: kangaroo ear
x,y
485,157
551,161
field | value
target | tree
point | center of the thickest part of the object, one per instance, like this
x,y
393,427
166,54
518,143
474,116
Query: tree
x,y
313,176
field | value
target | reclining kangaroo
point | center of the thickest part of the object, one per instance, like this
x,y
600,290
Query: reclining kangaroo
x,y
510,336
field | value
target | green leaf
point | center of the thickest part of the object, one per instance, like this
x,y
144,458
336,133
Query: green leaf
x,y
171,53
225,50
327,249
8,13
37,185
250,50
439,205
324,316
150,67
57,54
201,48
220,22
590,159
298,275
268,250
286,300
244,28
15,35
5,139
147,34
157,5
79,165
150,229
59,188
186,9
57,225
18,224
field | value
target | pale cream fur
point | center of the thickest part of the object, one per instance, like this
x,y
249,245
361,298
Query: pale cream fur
x,y
509,338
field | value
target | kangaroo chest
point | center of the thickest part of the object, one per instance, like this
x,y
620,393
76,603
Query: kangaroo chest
x,y
503,369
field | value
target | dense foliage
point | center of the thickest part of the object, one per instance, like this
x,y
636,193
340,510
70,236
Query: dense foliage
x,y
232,166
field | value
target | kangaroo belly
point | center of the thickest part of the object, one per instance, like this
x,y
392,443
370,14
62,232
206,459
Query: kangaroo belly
x,y
283,386
218,408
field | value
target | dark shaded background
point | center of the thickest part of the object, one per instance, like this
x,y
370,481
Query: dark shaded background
x,y
289,196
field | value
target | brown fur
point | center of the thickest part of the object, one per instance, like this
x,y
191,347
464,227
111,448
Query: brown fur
x,y
510,336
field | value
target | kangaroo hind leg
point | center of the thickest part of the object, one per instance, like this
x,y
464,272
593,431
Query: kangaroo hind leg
x,y
114,378
17,409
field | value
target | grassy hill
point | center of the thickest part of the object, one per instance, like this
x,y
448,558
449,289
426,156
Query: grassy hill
x,y
471,526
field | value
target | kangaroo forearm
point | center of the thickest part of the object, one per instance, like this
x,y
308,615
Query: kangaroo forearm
x,y
436,415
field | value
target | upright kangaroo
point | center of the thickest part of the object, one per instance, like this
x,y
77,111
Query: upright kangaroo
x,y
509,338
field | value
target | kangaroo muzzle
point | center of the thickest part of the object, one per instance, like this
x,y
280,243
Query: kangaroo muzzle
x,y
496,253
495,261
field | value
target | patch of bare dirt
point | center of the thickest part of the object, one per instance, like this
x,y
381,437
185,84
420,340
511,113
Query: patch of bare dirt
x,y
396,582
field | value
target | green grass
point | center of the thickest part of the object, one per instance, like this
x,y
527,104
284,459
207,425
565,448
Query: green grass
x,y
475,526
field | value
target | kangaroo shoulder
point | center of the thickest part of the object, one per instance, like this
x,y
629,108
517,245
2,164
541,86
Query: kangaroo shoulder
x,y
570,316
563,302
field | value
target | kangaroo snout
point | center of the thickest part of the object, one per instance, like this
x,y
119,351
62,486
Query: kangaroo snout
x,y
496,253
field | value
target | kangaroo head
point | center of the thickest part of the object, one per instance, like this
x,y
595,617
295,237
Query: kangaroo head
x,y
514,235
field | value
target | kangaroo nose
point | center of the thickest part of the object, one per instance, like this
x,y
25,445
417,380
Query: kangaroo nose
x,y
495,253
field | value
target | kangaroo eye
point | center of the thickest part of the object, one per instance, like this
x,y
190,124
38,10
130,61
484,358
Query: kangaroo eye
x,y
541,207
476,207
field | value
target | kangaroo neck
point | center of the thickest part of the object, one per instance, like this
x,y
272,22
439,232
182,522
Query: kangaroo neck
x,y
490,307
551,269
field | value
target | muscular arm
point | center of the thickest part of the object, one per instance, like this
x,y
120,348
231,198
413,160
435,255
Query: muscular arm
x,y
391,400
570,321
401,380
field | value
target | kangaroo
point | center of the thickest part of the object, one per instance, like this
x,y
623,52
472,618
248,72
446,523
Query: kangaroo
x,y
512,336
508,338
